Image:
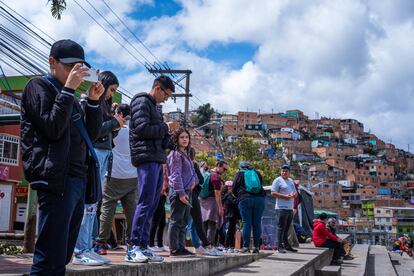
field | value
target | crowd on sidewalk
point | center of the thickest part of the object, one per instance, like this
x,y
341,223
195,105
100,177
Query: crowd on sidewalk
x,y
83,157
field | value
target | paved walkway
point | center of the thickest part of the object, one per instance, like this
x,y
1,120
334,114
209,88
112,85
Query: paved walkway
x,y
20,264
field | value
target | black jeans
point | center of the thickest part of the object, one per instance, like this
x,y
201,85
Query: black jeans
x,y
158,223
180,213
285,219
198,219
231,231
60,217
336,246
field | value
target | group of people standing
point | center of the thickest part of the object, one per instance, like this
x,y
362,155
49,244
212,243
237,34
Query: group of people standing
x,y
83,157
133,156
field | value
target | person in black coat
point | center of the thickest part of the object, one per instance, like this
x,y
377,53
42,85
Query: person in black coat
x,y
149,138
54,153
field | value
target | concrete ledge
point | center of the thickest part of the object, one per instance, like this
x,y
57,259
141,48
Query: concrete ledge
x,y
304,262
359,265
329,270
383,265
200,266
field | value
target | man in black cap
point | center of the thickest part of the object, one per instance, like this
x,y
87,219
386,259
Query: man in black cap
x,y
148,135
283,189
54,153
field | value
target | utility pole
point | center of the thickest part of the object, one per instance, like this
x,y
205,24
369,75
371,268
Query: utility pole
x,y
185,74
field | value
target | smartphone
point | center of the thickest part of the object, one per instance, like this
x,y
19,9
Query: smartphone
x,y
93,75
189,204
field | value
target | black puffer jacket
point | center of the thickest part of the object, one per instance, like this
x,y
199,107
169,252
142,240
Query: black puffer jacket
x,y
147,131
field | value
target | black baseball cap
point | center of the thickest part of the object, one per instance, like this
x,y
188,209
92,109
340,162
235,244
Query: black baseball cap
x,y
68,51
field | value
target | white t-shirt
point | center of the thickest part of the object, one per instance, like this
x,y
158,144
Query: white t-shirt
x,y
284,187
121,166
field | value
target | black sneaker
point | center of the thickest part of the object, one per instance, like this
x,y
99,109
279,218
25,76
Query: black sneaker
x,y
181,253
348,258
255,251
291,249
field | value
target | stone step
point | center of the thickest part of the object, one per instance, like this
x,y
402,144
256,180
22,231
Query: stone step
x,y
403,265
305,262
200,266
357,266
382,263
329,270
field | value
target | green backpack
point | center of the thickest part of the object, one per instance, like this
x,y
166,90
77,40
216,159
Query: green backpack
x,y
205,187
252,181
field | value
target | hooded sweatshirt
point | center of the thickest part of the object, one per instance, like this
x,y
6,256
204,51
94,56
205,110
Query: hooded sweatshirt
x,y
321,234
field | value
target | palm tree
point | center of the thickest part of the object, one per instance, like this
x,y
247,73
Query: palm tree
x,y
57,8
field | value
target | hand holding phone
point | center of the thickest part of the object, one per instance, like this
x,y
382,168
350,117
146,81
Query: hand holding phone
x,y
93,75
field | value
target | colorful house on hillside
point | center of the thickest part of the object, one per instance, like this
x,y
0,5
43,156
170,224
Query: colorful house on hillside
x,y
13,187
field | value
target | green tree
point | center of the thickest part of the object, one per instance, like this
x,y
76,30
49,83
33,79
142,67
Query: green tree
x,y
57,8
204,113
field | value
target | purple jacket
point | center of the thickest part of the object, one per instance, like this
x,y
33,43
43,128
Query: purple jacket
x,y
181,174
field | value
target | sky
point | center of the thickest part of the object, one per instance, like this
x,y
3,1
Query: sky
x,y
340,59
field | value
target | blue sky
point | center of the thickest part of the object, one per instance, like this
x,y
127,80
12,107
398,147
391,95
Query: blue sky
x,y
343,59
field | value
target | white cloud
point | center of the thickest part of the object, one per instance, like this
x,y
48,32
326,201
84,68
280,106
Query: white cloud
x,y
339,58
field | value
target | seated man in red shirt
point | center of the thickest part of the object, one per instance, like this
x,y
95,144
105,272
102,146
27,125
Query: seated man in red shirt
x,y
323,238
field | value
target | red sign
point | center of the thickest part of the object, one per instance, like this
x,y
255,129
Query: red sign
x,y
4,172
21,191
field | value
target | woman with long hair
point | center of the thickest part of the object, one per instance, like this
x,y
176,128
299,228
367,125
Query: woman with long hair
x,y
84,253
181,176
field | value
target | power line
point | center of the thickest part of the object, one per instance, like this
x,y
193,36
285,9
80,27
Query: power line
x,y
133,34
113,37
119,33
27,21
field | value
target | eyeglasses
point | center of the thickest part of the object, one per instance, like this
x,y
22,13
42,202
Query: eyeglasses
x,y
165,92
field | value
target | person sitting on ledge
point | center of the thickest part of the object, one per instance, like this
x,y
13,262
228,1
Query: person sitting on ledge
x,y
323,238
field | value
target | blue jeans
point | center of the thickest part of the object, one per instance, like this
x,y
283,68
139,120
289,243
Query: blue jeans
x,y
195,240
150,178
60,217
89,229
251,210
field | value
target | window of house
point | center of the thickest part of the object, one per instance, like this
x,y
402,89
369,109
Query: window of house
x,y
378,211
9,149
387,211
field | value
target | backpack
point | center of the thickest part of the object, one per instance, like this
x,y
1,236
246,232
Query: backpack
x,y
205,187
252,181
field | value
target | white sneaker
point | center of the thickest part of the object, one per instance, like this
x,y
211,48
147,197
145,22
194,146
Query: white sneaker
x,y
98,257
230,250
151,256
156,249
86,259
201,251
217,251
135,256
165,248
